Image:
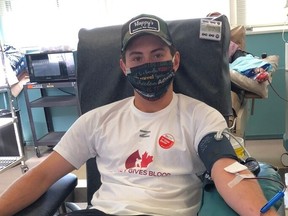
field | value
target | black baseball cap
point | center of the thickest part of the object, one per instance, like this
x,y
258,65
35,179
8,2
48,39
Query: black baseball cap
x,y
145,24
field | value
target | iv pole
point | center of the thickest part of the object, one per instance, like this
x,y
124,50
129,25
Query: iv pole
x,y
284,156
285,136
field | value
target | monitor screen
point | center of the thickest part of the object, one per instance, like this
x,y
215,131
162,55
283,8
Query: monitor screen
x,y
51,66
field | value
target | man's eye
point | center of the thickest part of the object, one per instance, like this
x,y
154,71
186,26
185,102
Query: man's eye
x,y
158,56
136,59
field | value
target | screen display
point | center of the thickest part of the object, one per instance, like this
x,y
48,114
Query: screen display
x,y
45,68
51,66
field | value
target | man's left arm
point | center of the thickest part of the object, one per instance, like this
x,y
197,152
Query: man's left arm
x,y
245,197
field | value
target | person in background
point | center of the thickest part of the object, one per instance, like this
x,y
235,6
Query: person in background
x,y
244,62
149,148
8,76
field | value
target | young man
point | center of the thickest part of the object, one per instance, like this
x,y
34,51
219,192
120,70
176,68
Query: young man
x,y
152,174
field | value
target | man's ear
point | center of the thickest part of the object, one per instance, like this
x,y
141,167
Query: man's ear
x,y
176,62
123,66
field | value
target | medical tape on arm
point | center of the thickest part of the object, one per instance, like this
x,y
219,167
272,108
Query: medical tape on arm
x,y
235,168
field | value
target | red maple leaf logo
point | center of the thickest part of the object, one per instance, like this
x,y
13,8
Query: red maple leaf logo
x,y
146,159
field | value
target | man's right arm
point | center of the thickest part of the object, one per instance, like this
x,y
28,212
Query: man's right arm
x,y
33,184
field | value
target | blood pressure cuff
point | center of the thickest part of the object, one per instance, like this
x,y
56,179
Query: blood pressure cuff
x,y
211,149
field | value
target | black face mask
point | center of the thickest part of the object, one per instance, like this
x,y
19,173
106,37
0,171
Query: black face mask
x,y
151,80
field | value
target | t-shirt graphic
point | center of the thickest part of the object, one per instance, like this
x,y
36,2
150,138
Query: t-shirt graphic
x,y
135,160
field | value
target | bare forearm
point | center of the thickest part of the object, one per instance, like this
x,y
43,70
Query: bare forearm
x,y
33,184
22,193
246,197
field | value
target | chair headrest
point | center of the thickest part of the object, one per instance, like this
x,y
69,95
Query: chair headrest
x,y
203,73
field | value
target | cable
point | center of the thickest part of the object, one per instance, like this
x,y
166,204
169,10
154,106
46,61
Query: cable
x,y
67,92
275,198
234,137
219,136
284,99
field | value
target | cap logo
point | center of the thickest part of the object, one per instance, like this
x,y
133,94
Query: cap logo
x,y
144,24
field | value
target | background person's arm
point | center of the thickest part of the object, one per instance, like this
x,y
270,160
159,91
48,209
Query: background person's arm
x,y
246,197
29,187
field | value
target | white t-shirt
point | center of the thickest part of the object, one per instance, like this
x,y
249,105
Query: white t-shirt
x,y
148,161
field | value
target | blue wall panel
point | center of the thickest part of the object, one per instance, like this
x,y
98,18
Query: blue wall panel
x,y
268,120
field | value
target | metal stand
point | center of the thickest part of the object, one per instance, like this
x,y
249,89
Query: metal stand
x,y
46,101
23,166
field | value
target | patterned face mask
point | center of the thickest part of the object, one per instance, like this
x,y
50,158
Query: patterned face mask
x,y
151,80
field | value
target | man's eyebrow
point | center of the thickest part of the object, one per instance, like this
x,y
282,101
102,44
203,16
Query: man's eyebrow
x,y
140,53
158,49
135,53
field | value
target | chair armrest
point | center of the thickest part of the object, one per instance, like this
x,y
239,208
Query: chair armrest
x,y
51,200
